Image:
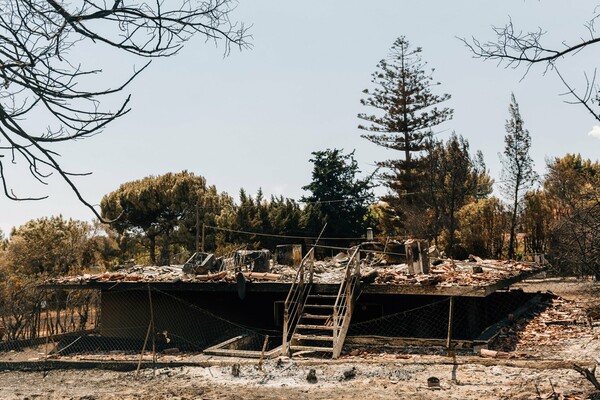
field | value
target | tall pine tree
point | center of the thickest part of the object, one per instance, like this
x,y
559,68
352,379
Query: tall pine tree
x,y
518,175
408,112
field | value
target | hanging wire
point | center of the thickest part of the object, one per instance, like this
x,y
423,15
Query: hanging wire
x,y
280,236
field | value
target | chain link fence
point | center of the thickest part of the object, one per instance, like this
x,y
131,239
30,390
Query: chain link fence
x,y
37,315
119,324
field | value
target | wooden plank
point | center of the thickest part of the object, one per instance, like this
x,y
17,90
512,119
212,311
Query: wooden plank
x,y
315,327
312,348
298,336
318,306
437,290
383,341
262,275
243,353
316,316
219,349
322,296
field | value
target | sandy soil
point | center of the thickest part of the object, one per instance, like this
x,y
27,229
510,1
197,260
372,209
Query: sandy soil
x,y
539,367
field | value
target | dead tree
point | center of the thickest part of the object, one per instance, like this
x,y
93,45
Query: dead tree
x,y
42,78
575,239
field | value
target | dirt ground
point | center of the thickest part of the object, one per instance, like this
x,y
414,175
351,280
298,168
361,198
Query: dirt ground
x,y
383,380
539,365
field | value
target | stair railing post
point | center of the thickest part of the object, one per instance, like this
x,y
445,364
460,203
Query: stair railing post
x,y
357,268
335,326
450,320
348,292
311,260
284,344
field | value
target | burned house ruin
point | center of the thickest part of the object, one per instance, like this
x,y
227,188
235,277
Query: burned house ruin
x,y
248,305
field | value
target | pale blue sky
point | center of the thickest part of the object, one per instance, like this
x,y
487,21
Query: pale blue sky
x,y
252,119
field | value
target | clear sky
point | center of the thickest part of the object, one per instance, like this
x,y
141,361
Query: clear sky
x,y
252,119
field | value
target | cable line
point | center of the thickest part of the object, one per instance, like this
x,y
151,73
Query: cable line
x,y
280,236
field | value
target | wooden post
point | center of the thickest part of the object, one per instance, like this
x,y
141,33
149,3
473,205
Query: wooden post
x,y
262,354
137,372
153,332
150,327
197,227
203,226
450,318
284,343
48,328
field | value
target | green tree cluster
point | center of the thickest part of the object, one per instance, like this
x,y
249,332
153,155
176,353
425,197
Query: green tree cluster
x,y
338,197
54,246
266,219
483,225
454,178
167,212
168,209
561,219
163,212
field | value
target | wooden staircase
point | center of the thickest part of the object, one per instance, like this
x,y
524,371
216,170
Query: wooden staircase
x,y
323,319
314,331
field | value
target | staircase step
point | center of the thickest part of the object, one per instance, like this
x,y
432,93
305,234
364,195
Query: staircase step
x,y
312,348
322,296
315,327
318,306
317,316
323,338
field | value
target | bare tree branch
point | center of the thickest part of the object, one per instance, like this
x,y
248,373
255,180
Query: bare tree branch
x,y
589,375
41,78
515,48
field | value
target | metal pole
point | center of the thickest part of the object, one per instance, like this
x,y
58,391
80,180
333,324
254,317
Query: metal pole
x,y
450,318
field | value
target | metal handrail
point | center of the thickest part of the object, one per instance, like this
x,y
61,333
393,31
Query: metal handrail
x,y
295,299
342,309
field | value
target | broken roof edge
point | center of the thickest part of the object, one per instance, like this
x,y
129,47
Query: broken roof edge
x,y
283,287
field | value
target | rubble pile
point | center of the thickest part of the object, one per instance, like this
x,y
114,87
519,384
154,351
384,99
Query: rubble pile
x,y
551,324
457,273
167,274
445,273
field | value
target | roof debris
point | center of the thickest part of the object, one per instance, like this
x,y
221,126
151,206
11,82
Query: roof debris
x,y
554,322
446,273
